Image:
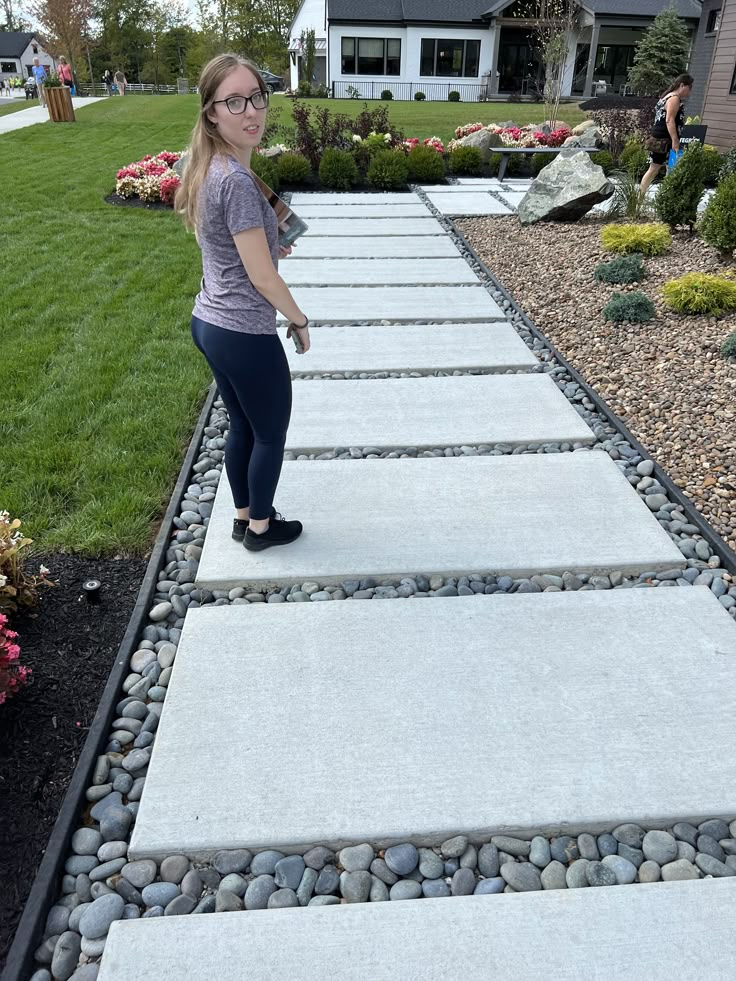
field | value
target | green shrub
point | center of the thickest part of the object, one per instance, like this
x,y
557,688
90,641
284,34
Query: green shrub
x,y
304,89
388,170
321,92
634,308
453,96
419,96
604,159
293,168
649,239
624,269
712,161
728,348
728,164
539,161
718,225
676,202
634,158
337,169
466,160
700,293
266,169
425,164
387,95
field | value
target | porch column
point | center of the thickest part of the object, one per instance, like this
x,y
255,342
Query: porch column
x,y
588,87
495,48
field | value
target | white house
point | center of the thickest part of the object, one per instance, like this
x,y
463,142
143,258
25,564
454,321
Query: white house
x,y
17,51
479,48
312,14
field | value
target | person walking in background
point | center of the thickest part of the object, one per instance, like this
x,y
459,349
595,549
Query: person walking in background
x,y
39,74
120,81
107,79
64,72
669,118
234,317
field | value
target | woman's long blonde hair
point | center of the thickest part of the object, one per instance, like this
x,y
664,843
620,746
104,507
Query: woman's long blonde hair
x,y
206,141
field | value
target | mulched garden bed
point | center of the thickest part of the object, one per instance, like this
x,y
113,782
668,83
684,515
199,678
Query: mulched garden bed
x,y
71,646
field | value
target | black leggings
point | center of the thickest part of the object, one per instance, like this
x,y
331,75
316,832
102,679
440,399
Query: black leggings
x,y
252,375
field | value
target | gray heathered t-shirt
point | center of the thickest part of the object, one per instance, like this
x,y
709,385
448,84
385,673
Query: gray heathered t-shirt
x,y
230,202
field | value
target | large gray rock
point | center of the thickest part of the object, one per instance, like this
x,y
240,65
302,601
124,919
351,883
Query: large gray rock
x,y
483,140
565,190
590,137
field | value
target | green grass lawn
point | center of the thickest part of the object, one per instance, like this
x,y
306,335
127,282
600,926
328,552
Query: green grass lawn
x,y
12,105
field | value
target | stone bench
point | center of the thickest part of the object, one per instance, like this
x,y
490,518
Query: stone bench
x,y
506,152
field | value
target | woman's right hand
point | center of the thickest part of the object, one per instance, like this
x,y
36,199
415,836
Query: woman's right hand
x,y
303,335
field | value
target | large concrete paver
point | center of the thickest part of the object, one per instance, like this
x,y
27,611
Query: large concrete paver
x,y
300,198
371,246
668,930
468,204
374,226
413,209
411,347
342,722
427,412
341,304
379,271
513,514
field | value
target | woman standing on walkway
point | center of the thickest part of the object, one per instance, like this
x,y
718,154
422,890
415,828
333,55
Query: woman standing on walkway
x,y
65,73
669,117
120,81
234,319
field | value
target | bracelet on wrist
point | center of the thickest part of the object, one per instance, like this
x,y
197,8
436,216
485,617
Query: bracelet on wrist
x,y
304,325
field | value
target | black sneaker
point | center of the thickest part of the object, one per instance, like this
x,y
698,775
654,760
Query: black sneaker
x,y
240,526
279,532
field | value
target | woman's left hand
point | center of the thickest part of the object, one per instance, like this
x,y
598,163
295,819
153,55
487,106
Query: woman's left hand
x,y
284,251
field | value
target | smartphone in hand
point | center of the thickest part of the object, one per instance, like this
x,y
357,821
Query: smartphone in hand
x,y
297,341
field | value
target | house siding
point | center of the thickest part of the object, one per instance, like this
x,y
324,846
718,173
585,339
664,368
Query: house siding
x,y
702,58
719,110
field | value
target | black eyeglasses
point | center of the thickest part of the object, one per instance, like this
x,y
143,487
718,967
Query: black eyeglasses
x,y
237,104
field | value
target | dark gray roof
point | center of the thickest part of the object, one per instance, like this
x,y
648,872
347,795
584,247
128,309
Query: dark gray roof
x,y
456,12
14,43
690,9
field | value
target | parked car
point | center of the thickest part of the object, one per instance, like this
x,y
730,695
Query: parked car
x,y
274,82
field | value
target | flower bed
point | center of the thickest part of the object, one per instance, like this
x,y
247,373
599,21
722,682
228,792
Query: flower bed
x,y
151,179
514,136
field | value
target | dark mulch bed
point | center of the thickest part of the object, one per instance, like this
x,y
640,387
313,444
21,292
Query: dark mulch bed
x,y
71,646
137,203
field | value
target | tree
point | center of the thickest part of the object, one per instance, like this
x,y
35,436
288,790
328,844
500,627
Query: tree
x,y
555,23
661,55
309,46
66,24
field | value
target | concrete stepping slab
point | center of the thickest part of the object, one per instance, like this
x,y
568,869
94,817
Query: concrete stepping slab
x,y
339,722
468,204
411,347
371,272
494,182
516,515
341,304
374,226
300,198
512,198
668,930
426,412
370,246
413,209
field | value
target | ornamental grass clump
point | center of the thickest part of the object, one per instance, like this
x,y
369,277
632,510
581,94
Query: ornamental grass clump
x,y
633,308
648,239
718,225
425,164
624,269
700,293
293,168
13,675
337,169
679,194
466,160
728,348
389,170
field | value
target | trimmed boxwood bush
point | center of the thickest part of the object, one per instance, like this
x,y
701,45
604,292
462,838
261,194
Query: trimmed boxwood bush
x,y
728,348
453,96
293,168
624,269
389,169
728,165
679,194
712,163
718,224
337,169
419,96
425,164
604,159
266,169
387,95
466,160
700,293
649,239
634,158
633,308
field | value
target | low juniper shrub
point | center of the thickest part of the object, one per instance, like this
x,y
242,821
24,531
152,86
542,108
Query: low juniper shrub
x,y
633,308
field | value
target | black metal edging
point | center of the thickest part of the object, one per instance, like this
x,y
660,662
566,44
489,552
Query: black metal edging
x,y
726,554
20,964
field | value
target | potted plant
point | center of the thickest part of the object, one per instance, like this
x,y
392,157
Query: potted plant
x,y
58,100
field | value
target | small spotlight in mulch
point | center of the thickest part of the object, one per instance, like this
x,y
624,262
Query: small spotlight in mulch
x,y
92,590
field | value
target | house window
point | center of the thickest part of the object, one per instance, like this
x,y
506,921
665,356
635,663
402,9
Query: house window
x,y
612,63
35,48
449,59
371,56
714,22
8,66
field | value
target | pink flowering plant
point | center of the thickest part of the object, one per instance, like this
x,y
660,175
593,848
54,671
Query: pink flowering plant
x,y
151,178
434,142
13,675
18,588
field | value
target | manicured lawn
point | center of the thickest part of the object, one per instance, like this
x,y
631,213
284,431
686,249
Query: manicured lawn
x,y
12,105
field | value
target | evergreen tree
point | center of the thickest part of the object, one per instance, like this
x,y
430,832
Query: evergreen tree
x,y
679,193
661,55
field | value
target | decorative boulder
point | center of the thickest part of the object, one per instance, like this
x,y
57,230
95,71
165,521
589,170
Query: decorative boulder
x,y
565,190
273,152
581,127
590,137
483,140
181,164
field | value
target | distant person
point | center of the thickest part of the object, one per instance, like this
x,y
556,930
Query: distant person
x,y
669,118
39,75
107,79
64,72
121,82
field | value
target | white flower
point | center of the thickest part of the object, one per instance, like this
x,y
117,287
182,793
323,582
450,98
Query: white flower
x,y
44,571
3,580
357,139
387,138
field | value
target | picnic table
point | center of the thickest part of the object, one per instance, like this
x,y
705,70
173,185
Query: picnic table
x,y
506,152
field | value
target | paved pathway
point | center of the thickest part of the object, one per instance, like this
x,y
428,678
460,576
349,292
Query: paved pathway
x,y
335,723
37,114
